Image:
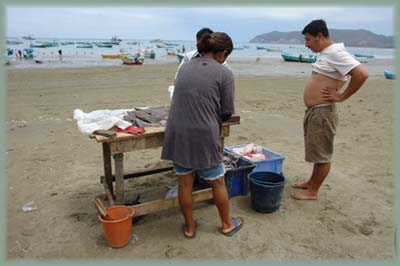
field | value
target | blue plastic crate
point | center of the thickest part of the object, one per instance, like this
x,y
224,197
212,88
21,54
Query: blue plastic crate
x,y
272,164
236,180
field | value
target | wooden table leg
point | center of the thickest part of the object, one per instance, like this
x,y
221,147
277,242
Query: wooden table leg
x,y
107,167
119,178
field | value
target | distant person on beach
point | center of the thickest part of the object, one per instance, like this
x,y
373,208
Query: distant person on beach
x,y
20,54
60,54
203,99
333,67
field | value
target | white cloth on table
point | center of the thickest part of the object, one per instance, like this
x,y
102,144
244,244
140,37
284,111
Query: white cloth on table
x,y
100,120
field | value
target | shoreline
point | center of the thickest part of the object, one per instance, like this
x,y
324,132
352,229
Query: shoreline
x,y
265,67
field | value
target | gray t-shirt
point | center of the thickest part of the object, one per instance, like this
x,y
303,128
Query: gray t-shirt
x,y
204,90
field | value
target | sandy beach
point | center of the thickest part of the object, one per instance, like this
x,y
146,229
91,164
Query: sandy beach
x,y
49,162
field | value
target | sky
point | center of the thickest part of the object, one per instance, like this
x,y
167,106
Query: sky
x,y
242,23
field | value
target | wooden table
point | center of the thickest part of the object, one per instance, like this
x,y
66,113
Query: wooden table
x,y
152,138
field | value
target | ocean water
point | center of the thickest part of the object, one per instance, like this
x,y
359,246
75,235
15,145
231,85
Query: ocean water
x,y
86,57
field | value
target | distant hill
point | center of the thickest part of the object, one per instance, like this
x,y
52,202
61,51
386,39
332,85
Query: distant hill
x,y
355,38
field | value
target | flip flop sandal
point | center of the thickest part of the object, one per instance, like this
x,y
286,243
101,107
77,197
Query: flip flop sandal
x,y
236,228
183,227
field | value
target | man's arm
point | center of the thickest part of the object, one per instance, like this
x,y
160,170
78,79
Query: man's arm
x,y
359,75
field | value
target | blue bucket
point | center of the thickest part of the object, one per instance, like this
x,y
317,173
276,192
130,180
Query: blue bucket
x,y
266,191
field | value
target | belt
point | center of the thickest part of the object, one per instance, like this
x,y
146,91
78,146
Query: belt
x,y
330,106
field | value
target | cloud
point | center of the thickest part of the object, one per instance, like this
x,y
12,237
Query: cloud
x,y
182,22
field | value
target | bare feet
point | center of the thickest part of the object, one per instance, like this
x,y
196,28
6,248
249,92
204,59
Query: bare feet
x,y
303,185
307,195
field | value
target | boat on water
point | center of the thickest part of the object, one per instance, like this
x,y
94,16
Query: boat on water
x,y
113,56
84,46
171,52
273,50
163,46
260,48
389,74
300,58
67,43
364,56
13,42
28,37
170,44
132,60
155,41
149,54
103,45
44,44
115,40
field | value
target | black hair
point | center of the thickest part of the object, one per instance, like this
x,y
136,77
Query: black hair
x,y
203,31
214,43
315,27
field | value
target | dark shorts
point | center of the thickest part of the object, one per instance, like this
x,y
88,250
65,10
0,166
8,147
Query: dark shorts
x,y
319,131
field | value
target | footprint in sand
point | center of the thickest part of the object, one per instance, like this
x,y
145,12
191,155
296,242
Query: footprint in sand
x,y
177,252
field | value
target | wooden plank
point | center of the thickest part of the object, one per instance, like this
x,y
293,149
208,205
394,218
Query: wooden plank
x,y
149,131
107,166
235,119
119,178
144,172
225,132
159,205
133,144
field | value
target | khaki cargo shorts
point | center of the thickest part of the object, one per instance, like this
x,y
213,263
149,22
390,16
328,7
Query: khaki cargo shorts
x,y
319,131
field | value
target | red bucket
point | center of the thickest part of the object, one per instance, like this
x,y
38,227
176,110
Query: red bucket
x,y
118,227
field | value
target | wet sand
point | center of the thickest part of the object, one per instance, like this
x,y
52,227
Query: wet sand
x,y
50,162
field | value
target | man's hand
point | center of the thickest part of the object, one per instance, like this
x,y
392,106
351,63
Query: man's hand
x,y
332,95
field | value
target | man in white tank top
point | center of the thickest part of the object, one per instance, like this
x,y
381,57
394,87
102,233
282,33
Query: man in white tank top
x,y
332,69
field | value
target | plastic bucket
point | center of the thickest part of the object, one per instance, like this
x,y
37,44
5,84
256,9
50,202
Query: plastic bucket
x,y
118,228
267,178
266,191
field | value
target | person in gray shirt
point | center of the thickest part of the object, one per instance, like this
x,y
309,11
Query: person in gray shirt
x,y
203,99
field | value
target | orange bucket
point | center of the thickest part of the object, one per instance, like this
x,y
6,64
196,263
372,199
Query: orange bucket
x,y
118,228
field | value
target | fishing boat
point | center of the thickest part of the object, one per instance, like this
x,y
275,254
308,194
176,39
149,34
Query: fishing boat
x,y
364,56
13,42
155,41
28,37
84,46
171,52
113,56
115,40
163,46
260,48
170,44
273,50
389,74
132,60
67,43
149,54
103,45
300,58
38,45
